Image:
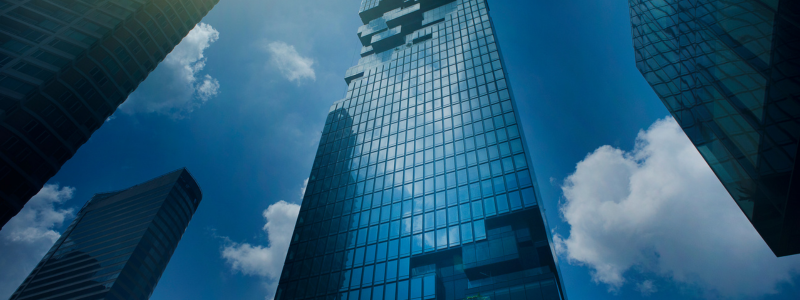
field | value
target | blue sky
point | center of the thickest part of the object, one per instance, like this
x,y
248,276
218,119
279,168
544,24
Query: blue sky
x,y
241,103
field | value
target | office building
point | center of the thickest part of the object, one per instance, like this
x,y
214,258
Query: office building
x,y
65,66
729,72
422,186
119,243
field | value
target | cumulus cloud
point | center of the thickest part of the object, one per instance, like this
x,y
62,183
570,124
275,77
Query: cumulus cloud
x,y
303,190
30,234
265,261
176,87
646,287
660,211
292,65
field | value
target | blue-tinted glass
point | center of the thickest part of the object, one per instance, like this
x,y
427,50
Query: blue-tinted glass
x,y
402,290
427,131
391,291
416,288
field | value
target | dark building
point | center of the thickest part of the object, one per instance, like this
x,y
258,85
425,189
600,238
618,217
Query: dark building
x,y
65,66
422,186
119,243
729,72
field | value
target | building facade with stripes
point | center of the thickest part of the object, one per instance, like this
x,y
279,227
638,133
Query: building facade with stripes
x,y
65,67
729,72
119,243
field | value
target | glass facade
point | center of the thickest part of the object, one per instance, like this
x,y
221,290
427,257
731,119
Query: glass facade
x,y
119,243
421,187
729,72
65,66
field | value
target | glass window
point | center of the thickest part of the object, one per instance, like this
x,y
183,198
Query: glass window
x,y
394,248
430,241
377,293
406,226
514,200
441,238
454,235
480,230
391,291
368,275
391,270
366,294
380,273
394,230
346,275
370,254
477,209
502,203
524,178
407,205
417,223
528,197
402,290
429,286
403,268
383,232
416,244
359,258
373,234
355,280
416,288
465,212
405,246
441,218
429,221
380,255
466,232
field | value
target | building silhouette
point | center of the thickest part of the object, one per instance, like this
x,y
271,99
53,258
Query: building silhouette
x,y
65,67
422,186
729,72
119,243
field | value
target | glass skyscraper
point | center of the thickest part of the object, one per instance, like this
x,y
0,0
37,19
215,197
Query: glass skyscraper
x,y
119,243
729,72
422,187
65,66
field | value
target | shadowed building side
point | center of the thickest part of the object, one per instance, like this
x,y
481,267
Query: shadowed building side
x,y
729,72
65,67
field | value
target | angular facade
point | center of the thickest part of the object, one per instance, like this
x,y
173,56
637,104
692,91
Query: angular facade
x,y
119,243
65,66
422,186
729,72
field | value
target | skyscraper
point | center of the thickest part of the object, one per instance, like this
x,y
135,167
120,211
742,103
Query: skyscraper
x,y
729,72
65,66
422,186
119,243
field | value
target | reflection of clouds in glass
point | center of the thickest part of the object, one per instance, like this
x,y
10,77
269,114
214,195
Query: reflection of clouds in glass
x,y
441,238
429,240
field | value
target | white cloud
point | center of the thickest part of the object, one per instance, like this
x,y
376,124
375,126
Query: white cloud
x,y
266,261
30,234
646,287
660,211
175,87
303,190
291,64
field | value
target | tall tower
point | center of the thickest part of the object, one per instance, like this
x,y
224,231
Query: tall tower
x,y
65,66
119,243
422,186
729,72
